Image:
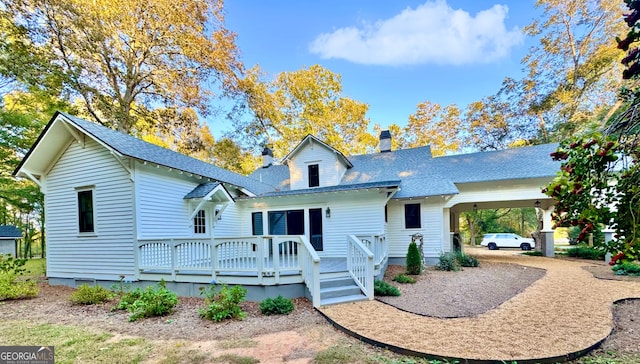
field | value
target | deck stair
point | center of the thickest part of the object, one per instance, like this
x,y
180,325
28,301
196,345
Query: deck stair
x,y
340,288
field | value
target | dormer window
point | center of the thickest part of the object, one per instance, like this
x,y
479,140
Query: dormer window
x,y
314,175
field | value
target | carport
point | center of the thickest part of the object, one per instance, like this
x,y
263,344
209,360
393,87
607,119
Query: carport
x,y
504,194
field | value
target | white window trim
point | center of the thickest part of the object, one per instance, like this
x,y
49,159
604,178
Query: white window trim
x,y
86,234
206,223
404,217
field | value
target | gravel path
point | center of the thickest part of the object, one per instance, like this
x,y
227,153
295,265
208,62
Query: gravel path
x,y
469,292
565,311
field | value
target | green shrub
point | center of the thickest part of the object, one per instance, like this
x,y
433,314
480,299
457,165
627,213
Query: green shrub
x,y
414,259
466,260
382,288
152,301
9,264
586,252
403,278
276,306
224,304
11,287
90,295
448,262
627,269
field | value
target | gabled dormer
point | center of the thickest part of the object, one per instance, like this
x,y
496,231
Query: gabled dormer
x,y
313,163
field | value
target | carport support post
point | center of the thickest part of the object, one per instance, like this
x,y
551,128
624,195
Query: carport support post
x,y
548,248
608,236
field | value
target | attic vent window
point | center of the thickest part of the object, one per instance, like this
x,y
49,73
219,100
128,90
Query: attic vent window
x,y
314,175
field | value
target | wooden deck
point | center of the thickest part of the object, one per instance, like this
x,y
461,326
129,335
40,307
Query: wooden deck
x,y
260,261
333,265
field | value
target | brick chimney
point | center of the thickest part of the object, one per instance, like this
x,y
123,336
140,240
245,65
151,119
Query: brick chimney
x,y
385,141
267,157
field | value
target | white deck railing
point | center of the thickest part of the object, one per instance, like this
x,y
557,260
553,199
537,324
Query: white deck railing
x,y
377,244
360,264
254,256
174,255
260,259
310,261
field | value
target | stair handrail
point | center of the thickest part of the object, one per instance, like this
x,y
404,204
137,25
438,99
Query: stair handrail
x,y
360,265
310,263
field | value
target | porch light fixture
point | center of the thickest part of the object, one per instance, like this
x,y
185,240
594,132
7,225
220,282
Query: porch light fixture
x,y
537,204
475,207
327,212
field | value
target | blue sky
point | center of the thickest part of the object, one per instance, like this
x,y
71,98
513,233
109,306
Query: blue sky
x,y
391,55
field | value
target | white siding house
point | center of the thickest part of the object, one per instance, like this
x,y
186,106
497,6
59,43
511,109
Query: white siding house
x,y
314,157
118,206
105,252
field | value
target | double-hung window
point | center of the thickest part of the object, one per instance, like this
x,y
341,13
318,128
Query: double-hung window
x,y
412,218
85,211
314,175
200,223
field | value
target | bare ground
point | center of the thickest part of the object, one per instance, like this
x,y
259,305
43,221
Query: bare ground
x,y
479,293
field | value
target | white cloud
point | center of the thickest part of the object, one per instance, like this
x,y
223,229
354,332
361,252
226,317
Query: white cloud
x,y
431,33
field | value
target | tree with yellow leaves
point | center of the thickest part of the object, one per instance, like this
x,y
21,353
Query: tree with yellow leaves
x,y
124,58
294,104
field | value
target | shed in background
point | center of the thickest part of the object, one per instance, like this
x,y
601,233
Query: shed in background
x,y
9,236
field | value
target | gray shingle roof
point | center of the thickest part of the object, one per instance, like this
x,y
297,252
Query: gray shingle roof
x,y
10,231
201,190
135,148
422,176
419,174
338,188
412,166
525,162
276,175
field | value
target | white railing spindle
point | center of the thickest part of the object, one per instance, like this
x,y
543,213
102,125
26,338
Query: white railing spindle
x,y
360,264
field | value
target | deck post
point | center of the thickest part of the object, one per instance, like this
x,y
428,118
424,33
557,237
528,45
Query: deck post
x,y
260,257
174,258
369,277
214,260
275,245
315,295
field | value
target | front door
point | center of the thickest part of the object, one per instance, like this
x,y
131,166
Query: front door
x,y
315,228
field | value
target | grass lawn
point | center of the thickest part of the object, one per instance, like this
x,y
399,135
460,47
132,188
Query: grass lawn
x,y
36,268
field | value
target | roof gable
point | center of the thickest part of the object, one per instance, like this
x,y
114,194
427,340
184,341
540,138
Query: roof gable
x,y
311,139
129,146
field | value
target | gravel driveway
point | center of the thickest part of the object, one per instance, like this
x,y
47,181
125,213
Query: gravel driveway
x,y
565,311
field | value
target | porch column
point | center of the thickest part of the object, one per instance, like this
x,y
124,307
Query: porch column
x,y
546,219
447,226
548,246
454,221
608,236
